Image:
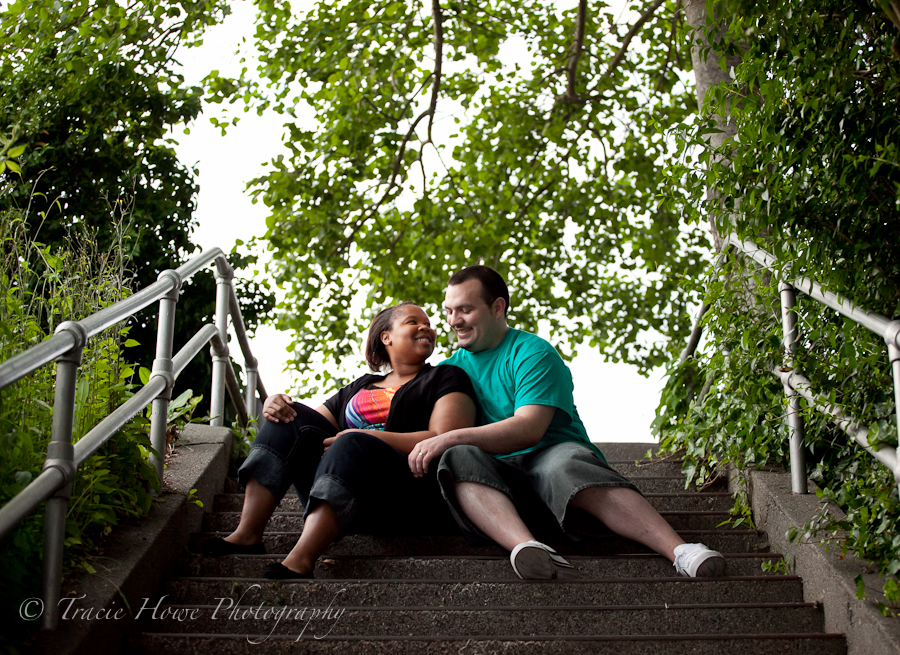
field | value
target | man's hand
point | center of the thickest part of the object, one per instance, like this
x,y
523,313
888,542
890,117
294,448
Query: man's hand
x,y
278,408
427,450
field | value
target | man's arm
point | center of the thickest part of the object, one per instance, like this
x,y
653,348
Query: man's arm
x,y
522,430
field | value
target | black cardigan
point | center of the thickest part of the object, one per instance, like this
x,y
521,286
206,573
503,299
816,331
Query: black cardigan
x,y
412,404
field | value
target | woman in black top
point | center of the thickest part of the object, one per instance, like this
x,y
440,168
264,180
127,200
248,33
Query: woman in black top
x,y
347,459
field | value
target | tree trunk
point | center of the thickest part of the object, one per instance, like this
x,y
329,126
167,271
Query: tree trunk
x,y
708,73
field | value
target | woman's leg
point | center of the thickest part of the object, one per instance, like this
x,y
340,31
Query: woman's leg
x,y
282,454
259,505
357,474
320,528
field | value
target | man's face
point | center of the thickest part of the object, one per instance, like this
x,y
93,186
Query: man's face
x,y
478,326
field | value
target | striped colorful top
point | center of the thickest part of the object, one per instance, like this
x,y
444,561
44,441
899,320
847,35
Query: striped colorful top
x,y
369,408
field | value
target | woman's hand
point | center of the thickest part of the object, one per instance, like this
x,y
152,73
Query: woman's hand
x,y
330,440
278,408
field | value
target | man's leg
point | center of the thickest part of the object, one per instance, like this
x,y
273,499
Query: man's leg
x,y
571,475
627,513
492,512
474,485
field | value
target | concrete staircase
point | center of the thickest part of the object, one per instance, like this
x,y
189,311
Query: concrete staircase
x,y
438,595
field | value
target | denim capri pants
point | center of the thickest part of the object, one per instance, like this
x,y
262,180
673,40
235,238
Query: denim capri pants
x,y
366,482
541,484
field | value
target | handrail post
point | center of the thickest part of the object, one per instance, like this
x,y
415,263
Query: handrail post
x,y
250,390
60,455
892,340
162,367
224,276
794,418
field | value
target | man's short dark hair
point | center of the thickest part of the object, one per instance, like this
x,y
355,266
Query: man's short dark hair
x,y
492,284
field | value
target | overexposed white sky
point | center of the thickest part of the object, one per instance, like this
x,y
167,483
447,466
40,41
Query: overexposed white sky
x,y
615,403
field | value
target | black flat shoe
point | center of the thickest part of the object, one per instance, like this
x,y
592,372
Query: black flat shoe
x,y
217,546
278,571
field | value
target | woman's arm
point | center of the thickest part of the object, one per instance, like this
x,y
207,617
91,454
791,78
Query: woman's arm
x,y
451,412
278,409
324,411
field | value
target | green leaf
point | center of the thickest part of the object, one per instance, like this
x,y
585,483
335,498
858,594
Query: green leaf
x,y
181,400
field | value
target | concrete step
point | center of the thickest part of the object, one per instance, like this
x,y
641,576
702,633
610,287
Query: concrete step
x,y
673,484
463,567
725,541
615,451
293,521
718,501
756,618
438,594
635,469
483,593
262,644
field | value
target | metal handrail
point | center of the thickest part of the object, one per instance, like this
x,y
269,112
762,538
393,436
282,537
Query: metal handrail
x,y
848,424
93,440
697,332
50,349
795,385
881,325
54,484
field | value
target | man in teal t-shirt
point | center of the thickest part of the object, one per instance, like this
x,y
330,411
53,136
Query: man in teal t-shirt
x,y
521,370
530,447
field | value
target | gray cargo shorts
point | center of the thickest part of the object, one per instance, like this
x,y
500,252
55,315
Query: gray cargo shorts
x,y
541,484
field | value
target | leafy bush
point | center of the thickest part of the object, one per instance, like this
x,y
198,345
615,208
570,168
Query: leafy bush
x,y
41,289
813,176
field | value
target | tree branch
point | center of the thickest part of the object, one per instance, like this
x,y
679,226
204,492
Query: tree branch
x,y
672,46
617,59
459,193
648,12
542,190
432,108
537,194
575,51
438,61
435,89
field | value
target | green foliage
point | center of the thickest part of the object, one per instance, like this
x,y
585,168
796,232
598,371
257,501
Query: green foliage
x,y
812,176
780,566
42,287
450,139
182,407
88,88
89,94
192,497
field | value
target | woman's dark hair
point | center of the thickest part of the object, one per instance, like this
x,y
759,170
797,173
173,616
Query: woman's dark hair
x,y
492,284
376,353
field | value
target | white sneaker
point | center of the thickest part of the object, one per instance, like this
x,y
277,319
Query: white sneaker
x,y
532,560
698,561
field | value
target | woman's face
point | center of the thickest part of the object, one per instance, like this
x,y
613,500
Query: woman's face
x,y
410,338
